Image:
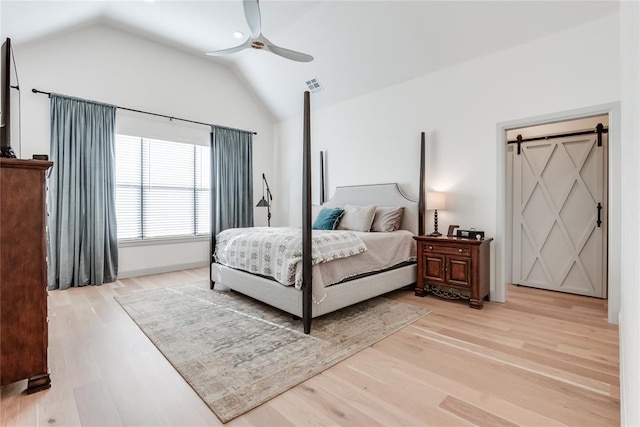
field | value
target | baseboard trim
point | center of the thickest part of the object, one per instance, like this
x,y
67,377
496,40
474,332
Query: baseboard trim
x,y
161,269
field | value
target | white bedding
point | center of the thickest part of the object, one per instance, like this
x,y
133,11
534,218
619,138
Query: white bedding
x,y
277,252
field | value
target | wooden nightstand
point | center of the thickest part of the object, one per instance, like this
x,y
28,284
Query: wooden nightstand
x,y
453,268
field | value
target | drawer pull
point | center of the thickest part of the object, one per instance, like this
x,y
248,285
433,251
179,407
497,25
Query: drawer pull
x,y
460,250
430,247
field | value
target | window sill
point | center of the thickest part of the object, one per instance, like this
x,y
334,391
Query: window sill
x,y
128,243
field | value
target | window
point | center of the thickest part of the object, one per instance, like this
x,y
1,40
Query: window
x,y
162,188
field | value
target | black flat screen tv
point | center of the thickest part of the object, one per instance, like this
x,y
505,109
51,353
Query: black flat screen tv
x,y
5,100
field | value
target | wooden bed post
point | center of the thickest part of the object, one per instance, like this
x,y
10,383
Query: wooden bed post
x,y
306,219
421,191
322,177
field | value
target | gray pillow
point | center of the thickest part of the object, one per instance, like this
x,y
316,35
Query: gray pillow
x,y
387,219
357,218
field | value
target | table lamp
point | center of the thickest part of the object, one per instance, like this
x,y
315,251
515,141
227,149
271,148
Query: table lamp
x,y
435,201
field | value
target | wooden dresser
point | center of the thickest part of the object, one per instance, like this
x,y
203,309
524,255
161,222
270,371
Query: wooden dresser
x,y
453,268
23,273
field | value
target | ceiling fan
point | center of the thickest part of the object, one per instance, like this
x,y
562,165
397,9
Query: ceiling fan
x,y
257,40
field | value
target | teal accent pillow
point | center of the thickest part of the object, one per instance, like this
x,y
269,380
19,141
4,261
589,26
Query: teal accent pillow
x,y
328,219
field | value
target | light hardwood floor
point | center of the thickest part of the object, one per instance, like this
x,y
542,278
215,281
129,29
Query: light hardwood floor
x,y
541,359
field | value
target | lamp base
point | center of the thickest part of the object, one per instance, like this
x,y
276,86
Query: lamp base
x,y
435,232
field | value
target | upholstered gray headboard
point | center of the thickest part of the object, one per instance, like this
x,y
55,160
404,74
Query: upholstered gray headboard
x,y
381,195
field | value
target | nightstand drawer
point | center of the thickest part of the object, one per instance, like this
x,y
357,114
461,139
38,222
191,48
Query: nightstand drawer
x,y
447,250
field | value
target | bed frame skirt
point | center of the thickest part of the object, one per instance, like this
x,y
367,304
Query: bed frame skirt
x,y
287,298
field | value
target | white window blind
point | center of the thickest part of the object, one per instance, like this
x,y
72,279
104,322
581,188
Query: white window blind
x,y
162,188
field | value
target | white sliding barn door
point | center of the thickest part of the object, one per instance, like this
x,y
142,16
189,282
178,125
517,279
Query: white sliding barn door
x,y
558,243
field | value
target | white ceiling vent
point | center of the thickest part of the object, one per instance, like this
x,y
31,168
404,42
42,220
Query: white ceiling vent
x,y
314,85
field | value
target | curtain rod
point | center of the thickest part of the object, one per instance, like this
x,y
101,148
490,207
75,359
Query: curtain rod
x,y
159,115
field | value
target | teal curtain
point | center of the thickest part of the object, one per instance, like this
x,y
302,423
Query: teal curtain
x,y
232,179
83,239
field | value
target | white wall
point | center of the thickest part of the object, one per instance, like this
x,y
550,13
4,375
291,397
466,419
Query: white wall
x,y
109,65
375,138
629,312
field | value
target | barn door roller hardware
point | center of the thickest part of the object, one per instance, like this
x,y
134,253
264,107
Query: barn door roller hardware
x,y
599,130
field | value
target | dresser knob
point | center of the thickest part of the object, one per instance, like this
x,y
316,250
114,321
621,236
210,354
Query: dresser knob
x,y
430,247
460,250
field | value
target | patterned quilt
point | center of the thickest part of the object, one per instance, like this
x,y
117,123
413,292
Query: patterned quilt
x,y
277,251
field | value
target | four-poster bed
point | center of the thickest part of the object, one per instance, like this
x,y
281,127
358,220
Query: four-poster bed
x,y
340,282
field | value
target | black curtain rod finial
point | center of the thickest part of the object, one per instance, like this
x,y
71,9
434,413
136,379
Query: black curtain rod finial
x,y
39,91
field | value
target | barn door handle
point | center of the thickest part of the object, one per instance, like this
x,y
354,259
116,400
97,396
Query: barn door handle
x,y
599,214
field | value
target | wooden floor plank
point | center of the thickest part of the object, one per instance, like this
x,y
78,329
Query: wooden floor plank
x,y
474,414
527,359
95,405
542,358
428,387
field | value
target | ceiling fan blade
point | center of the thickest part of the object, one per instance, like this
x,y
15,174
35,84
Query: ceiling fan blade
x,y
252,13
258,40
223,52
288,53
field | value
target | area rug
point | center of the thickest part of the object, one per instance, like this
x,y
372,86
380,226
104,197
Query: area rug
x,y
238,353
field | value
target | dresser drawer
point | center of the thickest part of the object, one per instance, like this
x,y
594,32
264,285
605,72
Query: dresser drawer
x,y
447,249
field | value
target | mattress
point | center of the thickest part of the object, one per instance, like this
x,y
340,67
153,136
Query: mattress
x,y
384,250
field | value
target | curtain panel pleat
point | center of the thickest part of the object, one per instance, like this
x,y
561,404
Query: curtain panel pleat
x,y
232,179
82,230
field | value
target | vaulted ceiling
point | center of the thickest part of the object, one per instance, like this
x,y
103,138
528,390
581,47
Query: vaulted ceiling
x,y
359,46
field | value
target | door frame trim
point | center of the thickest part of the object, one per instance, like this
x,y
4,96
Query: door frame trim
x,y
504,219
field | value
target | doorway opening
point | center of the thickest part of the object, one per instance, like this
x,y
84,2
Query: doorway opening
x,y
554,204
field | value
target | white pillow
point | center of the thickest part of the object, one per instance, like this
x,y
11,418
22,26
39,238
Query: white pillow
x,y
387,219
357,218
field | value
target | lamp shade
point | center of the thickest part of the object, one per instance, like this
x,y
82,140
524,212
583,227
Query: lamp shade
x,y
262,203
436,201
